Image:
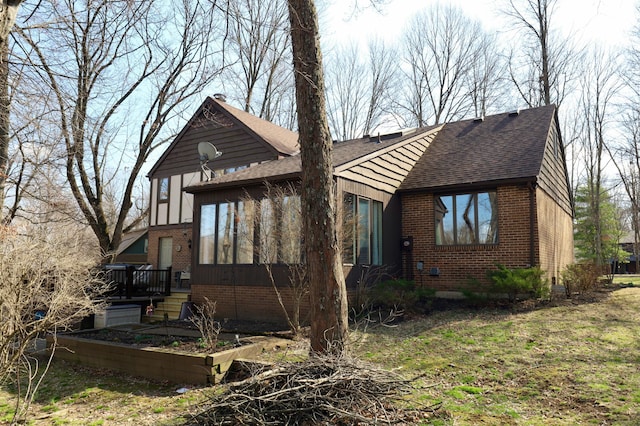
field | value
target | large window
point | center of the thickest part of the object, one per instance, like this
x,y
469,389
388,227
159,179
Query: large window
x,y
245,220
362,231
207,233
225,233
290,226
467,218
266,231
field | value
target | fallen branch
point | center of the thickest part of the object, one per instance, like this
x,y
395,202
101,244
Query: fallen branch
x,y
320,390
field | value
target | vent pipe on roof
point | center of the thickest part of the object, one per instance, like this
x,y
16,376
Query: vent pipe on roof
x,y
514,112
220,97
479,119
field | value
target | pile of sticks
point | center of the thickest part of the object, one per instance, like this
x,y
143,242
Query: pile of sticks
x,y
320,390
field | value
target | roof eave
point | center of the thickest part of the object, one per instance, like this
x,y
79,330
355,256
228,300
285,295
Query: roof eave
x,y
471,186
212,186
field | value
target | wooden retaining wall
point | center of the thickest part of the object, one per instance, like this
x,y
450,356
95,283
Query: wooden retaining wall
x,y
157,363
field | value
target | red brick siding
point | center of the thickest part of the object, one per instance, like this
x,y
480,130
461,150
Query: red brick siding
x,y
556,236
255,303
458,263
252,303
181,258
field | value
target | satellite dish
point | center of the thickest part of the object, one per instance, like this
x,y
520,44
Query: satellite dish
x,y
207,151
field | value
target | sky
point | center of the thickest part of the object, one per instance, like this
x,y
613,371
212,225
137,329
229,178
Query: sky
x,y
606,21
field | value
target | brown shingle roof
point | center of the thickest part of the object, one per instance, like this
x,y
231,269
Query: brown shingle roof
x,y
283,140
343,152
500,148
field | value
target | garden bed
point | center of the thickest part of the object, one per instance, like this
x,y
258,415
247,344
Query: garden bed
x,y
159,353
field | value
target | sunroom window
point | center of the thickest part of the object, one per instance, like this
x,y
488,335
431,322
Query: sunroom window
x,y
362,230
463,219
241,232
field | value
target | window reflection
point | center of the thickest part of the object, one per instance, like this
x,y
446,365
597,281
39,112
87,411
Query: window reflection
x,y
290,225
362,230
225,233
466,218
268,241
207,236
246,219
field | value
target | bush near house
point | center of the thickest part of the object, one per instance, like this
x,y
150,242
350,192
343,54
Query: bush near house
x,y
513,283
581,277
516,282
401,295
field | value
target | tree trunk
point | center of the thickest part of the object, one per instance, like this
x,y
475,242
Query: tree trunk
x,y
328,294
8,12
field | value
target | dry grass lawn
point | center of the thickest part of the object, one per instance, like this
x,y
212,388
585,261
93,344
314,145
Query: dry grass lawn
x,y
562,364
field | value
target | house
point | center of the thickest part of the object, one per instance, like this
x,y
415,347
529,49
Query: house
x,y
438,204
133,248
244,139
487,191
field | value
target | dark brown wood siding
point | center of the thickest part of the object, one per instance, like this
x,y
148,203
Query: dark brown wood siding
x,y
553,173
238,148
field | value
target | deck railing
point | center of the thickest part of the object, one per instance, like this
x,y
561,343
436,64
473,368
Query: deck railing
x,y
131,282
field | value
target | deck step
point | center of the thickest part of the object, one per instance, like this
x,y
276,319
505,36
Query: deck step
x,y
172,306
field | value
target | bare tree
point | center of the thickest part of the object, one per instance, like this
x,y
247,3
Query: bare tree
x,y
259,49
328,293
359,92
627,162
8,12
442,46
600,89
628,154
118,72
543,68
46,286
485,82
32,170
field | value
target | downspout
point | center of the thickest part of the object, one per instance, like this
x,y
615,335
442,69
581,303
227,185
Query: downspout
x,y
532,204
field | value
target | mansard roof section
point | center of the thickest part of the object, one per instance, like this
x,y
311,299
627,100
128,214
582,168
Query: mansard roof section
x,y
242,137
362,160
497,148
386,167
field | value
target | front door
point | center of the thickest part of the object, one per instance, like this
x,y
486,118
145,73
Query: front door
x,y
165,258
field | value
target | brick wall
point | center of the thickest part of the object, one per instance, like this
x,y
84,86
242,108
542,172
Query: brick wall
x,y
181,253
553,246
252,303
556,236
244,302
458,263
